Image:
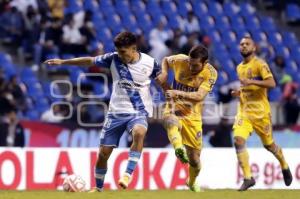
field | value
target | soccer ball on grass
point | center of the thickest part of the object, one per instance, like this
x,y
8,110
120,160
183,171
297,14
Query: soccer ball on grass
x,y
74,183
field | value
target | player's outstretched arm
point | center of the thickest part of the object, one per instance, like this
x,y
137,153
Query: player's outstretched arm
x,y
266,83
162,78
80,61
194,96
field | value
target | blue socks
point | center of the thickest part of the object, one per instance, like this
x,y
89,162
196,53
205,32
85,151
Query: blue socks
x,y
99,177
134,157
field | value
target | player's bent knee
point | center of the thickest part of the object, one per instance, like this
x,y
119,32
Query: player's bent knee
x,y
170,121
139,133
239,143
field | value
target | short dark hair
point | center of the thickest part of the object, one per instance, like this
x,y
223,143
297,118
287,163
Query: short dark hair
x,y
125,39
248,36
199,51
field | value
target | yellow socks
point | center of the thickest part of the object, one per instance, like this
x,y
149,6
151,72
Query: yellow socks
x,y
193,173
279,155
243,158
174,136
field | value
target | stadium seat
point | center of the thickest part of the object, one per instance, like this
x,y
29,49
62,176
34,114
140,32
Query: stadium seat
x,y
282,51
274,38
183,7
42,104
222,78
267,24
292,12
32,115
289,39
230,9
90,5
72,7
258,36
35,90
229,38
201,8
275,94
246,10
252,23
215,8
237,23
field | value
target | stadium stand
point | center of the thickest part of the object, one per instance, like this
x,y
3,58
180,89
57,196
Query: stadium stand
x,y
224,25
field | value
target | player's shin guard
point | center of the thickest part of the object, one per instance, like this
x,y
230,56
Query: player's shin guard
x,y
133,159
193,173
99,177
174,136
243,158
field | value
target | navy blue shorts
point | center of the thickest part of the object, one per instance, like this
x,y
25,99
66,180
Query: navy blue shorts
x,y
116,124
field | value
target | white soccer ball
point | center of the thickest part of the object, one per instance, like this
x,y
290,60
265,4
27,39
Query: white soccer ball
x,y
74,183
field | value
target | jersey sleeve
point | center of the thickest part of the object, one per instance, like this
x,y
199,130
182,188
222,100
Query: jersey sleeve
x,y
104,60
265,71
171,61
175,60
209,80
156,70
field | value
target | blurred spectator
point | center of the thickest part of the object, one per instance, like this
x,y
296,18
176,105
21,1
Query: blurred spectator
x,y
56,113
224,91
265,51
73,41
88,31
221,137
178,40
191,24
206,41
192,40
45,43
12,23
43,9
22,5
32,28
278,68
17,89
142,44
291,104
57,8
11,131
158,37
3,5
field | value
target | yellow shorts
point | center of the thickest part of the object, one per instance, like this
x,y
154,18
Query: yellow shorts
x,y
191,131
243,127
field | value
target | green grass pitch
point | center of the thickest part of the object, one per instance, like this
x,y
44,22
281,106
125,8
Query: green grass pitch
x,y
166,194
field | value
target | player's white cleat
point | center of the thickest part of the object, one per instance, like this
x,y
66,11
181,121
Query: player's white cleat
x,y
124,180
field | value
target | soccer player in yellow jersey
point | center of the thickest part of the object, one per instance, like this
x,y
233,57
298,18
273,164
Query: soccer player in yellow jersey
x,y
194,79
254,111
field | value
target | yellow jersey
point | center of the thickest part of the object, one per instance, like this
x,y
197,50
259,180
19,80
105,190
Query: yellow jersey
x,y
254,102
185,81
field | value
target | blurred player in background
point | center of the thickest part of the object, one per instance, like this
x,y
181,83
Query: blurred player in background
x,y
254,111
194,79
130,102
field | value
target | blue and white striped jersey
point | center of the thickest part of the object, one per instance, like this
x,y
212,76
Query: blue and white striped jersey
x,y
131,83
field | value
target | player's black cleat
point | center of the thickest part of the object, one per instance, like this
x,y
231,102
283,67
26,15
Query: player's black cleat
x,y
247,184
287,176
